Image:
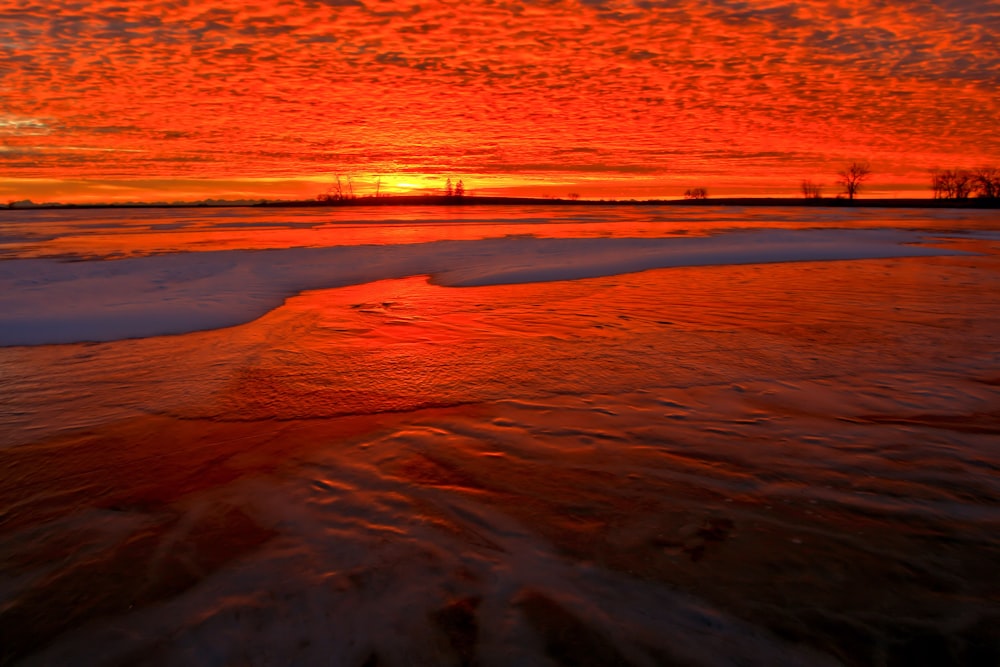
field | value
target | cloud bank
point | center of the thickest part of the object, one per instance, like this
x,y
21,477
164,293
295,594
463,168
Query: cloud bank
x,y
764,90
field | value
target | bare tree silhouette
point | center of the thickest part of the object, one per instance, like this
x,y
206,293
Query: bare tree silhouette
x,y
962,184
852,177
984,182
696,193
941,183
987,182
336,191
812,190
333,193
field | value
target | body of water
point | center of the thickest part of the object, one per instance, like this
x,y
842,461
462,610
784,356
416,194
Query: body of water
x,y
532,436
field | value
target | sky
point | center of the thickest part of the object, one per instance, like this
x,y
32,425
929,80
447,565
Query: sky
x,y
166,100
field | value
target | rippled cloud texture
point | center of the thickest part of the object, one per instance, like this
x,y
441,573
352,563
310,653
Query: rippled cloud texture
x,y
114,100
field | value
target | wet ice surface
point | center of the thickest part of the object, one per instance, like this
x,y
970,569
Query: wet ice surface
x,y
761,464
139,232
47,301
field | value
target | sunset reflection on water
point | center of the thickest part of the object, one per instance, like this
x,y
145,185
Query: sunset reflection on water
x,y
776,464
130,232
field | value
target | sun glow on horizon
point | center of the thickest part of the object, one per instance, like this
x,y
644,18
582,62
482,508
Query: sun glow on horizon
x,y
612,99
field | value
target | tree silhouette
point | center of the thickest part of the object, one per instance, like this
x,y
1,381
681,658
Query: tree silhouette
x,y
812,190
852,177
987,182
460,188
962,184
951,183
941,184
448,190
696,193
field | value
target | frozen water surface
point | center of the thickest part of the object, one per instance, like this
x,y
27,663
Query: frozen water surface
x,y
45,301
743,463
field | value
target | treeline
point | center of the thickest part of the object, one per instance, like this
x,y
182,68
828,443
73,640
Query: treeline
x,y
965,183
342,190
850,178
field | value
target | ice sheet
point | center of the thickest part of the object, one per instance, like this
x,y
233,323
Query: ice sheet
x,y
778,464
47,301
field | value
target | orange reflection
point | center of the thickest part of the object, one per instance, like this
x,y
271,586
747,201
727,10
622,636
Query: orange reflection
x,y
619,440
118,233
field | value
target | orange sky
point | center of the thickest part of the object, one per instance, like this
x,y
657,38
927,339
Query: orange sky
x,y
185,99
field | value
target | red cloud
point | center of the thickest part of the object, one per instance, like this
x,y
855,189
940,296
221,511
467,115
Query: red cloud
x,y
775,90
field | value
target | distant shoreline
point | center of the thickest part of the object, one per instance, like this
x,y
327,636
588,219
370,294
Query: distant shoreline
x,y
442,200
